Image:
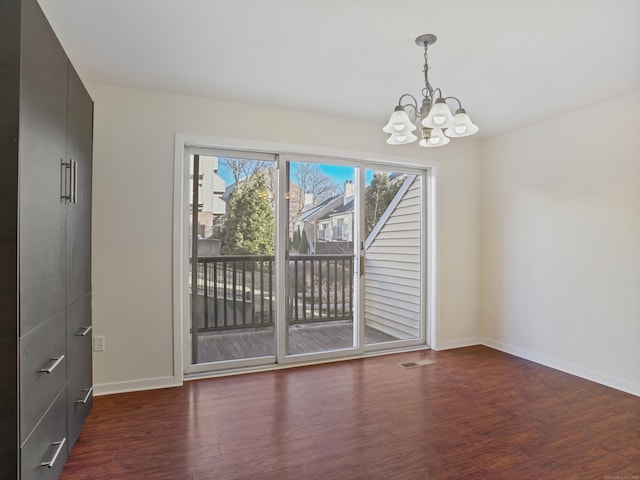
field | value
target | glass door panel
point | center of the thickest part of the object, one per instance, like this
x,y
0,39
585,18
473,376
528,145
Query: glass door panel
x,y
393,290
322,233
232,257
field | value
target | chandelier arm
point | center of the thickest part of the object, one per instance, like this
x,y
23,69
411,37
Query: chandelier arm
x,y
456,99
411,106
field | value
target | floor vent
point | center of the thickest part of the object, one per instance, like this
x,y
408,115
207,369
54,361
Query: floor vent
x,y
419,363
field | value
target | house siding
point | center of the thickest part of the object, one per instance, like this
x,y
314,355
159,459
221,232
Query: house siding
x,y
392,269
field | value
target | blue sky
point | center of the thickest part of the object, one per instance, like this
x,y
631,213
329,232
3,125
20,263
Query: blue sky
x,y
338,173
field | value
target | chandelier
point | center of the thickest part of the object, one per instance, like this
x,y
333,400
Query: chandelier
x,y
437,122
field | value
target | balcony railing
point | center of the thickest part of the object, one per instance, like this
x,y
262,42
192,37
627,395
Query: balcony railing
x,y
238,291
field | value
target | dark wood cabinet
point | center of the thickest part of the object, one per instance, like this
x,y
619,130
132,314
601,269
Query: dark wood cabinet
x,y
46,135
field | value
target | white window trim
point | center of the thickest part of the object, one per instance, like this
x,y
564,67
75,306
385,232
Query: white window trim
x,y
429,169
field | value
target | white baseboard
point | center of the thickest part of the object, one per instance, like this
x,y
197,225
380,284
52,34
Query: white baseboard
x,y
460,343
594,376
135,385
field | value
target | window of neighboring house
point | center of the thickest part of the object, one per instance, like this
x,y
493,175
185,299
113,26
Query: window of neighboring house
x,y
322,232
339,229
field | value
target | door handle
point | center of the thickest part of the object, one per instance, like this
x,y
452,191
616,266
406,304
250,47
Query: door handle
x,y
86,397
50,463
74,176
83,331
65,167
56,362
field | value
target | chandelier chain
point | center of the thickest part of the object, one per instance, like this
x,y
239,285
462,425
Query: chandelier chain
x,y
427,91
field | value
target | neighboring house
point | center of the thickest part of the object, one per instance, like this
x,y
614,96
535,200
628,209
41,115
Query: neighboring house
x,y
337,224
393,286
331,222
211,187
308,218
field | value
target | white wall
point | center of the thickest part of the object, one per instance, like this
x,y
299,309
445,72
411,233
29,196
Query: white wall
x,y
560,242
132,217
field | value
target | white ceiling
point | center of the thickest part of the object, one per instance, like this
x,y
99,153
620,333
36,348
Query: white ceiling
x,y
511,62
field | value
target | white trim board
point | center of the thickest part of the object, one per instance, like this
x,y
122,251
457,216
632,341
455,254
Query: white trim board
x,y
556,364
136,385
459,343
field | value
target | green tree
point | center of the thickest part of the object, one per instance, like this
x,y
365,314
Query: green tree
x,y
295,244
303,247
250,223
378,196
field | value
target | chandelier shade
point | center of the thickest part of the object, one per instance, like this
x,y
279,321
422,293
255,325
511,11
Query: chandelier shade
x,y
462,126
439,116
399,122
433,137
434,114
401,138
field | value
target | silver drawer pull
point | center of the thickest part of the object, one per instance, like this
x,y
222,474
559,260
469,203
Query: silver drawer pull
x,y
83,332
86,397
53,365
60,445
74,191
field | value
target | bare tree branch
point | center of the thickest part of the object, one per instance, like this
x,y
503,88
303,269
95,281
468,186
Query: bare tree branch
x,y
312,180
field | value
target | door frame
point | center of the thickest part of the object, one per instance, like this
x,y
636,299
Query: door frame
x,y
180,262
330,355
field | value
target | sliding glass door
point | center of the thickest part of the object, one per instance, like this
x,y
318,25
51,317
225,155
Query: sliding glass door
x,y
394,257
232,256
322,235
300,258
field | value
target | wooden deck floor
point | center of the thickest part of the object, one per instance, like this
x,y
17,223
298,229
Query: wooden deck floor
x,y
302,339
475,413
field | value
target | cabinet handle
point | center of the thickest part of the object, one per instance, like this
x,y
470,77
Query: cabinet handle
x,y
53,365
86,397
83,332
74,190
60,445
65,167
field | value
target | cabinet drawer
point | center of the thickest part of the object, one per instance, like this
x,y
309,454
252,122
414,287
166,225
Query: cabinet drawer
x,y
43,371
79,336
79,403
44,453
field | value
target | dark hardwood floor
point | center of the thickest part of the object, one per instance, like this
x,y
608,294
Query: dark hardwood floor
x,y
475,413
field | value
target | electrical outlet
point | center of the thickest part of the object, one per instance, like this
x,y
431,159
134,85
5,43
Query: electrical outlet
x,y
98,343
487,311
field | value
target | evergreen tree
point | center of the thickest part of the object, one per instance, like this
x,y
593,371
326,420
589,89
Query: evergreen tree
x,y
303,248
295,244
378,196
250,222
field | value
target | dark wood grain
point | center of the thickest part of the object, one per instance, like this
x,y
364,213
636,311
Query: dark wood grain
x,y
9,125
474,414
43,126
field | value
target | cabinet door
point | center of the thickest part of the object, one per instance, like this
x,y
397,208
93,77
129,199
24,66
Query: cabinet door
x,y
42,146
43,455
78,218
43,371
